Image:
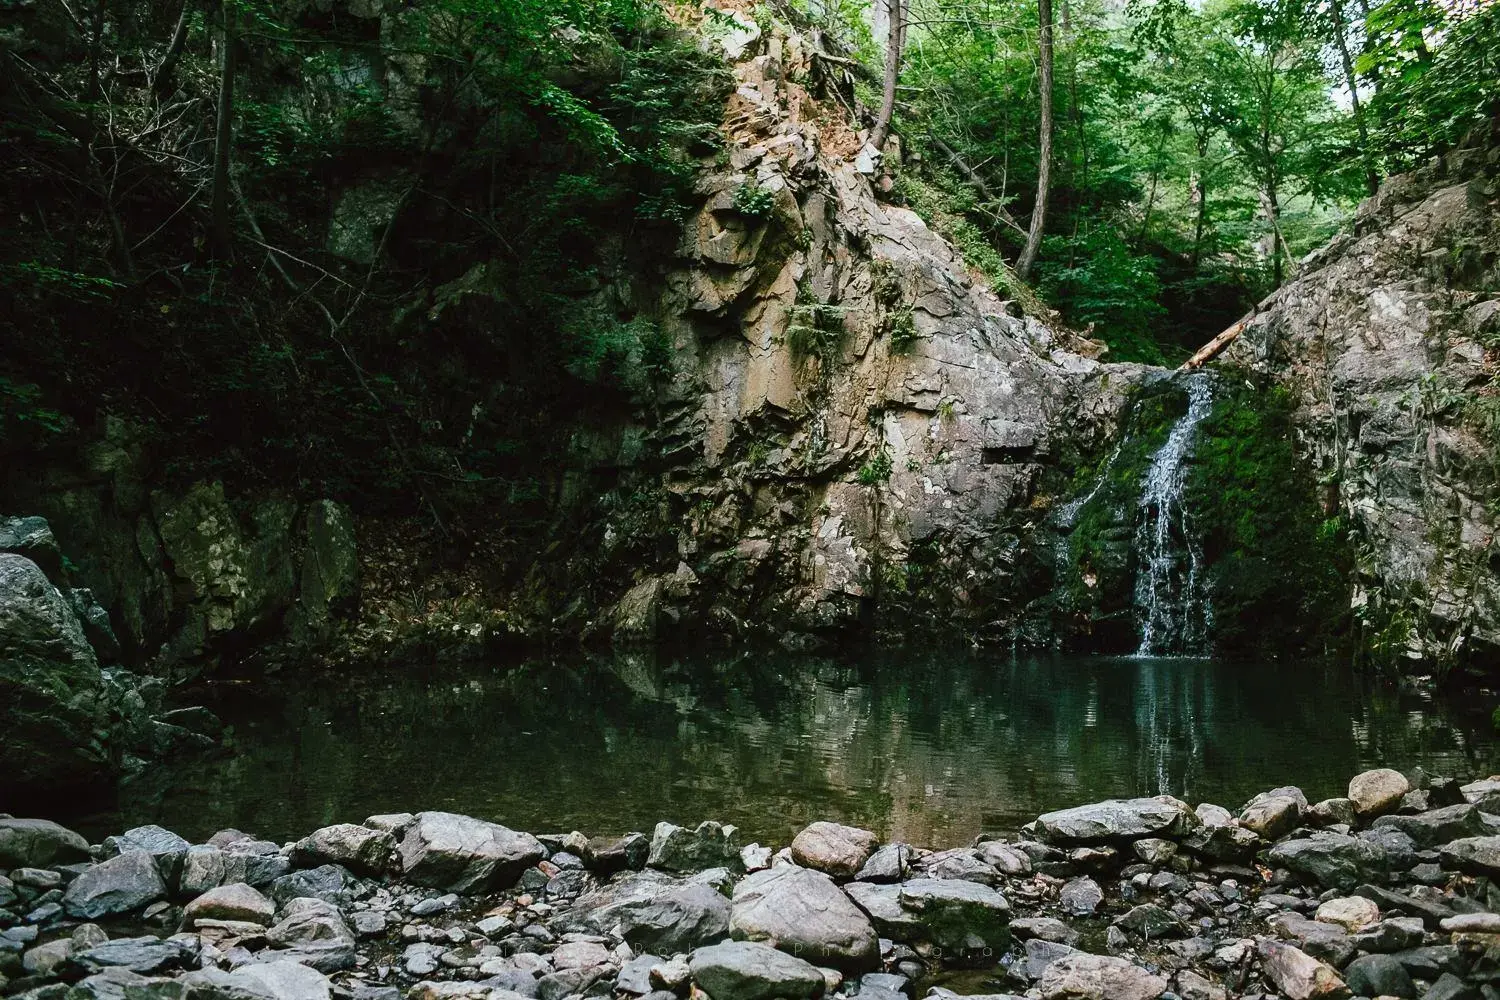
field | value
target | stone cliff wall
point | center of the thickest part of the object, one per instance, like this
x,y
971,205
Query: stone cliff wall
x,y
855,413
1388,342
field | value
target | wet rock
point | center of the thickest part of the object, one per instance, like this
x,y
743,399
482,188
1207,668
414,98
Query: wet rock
x,y
236,901
607,855
143,955
326,882
969,921
1154,851
38,843
121,884
462,854
44,958
635,975
272,980
1324,941
747,970
1422,901
1474,855
1450,987
1007,859
154,840
836,850
1296,974
368,923
709,845
1233,844
1098,977
1080,897
804,912
1275,813
675,921
1353,913
580,955
1434,828
957,863
1117,819
891,863
1149,921
1192,986
1331,859
1379,976
52,699
882,902
1211,815
1400,852
1330,812
1043,928
1375,793
1472,923
86,936
361,849
313,932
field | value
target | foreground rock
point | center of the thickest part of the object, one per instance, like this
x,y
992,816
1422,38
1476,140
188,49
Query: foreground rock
x,y
468,910
462,854
803,912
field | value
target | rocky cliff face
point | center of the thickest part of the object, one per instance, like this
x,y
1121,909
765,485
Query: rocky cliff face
x,y
856,417
1388,342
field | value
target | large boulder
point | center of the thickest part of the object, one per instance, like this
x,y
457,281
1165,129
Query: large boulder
x,y
967,920
462,854
1439,826
1375,793
358,848
1275,813
1098,977
52,702
1330,859
313,932
236,901
1475,855
1117,819
837,850
329,581
675,922
804,912
709,845
142,955
1296,974
32,538
121,884
39,843
276,979
748,970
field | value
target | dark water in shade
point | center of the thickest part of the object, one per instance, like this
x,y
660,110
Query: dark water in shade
x,y
928,747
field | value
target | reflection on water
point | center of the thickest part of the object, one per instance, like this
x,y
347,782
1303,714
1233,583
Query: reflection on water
x,y
928,747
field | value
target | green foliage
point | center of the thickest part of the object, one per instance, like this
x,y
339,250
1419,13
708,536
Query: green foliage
x,y
1436,73
1096,280
877,470
754,202
1279,563
902,330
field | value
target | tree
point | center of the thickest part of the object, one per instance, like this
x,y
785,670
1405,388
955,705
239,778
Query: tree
x,y
221,232
1044,142
895,43
1341,42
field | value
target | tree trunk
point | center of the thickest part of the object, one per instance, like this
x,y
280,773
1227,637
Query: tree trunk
x,y
166,69
1372,180
1200,186
895,39
1044,168
222,234
1270,204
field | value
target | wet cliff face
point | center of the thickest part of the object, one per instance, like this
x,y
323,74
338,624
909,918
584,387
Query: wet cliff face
x,y
1387,342
857,426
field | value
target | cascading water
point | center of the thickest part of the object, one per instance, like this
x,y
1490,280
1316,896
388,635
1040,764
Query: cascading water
x,y
1169,599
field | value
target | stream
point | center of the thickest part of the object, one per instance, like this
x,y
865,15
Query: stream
x,y
931,747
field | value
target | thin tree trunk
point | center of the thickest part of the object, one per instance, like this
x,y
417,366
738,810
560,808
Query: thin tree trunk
x,y
1271,205
1372,180
166,69
895,37
222,235
1200,183
1044,168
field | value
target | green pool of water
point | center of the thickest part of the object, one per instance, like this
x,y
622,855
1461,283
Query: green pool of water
x,y
928,747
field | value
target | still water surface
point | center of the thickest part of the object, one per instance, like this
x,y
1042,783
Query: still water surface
x,y
929,747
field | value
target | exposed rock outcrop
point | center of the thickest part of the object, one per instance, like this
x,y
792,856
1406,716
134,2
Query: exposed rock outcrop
x,y
1387,340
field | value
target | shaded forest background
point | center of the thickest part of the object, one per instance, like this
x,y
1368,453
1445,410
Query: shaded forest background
x,y
359,253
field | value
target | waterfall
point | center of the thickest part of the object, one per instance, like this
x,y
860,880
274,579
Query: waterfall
x,y
1169,598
